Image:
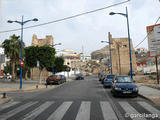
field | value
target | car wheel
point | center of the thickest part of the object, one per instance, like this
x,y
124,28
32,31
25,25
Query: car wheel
x,y
47,83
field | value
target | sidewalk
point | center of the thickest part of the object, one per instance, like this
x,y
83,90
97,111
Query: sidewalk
x,y
149,93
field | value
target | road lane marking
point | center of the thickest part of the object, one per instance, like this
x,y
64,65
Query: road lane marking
x,y
59,113
107,111
33,114
17,110
130,111
149,108
8,105
84,111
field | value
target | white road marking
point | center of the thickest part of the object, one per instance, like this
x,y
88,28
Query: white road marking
x,y
59,113
150,108
130,111
107,111
33,114
8,105
84,111
17,110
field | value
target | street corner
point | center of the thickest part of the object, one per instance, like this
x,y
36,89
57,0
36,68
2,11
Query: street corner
x,y
4,99
8,89
37,87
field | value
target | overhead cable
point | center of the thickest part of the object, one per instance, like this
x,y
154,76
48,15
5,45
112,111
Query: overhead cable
x,y
66,18
147,34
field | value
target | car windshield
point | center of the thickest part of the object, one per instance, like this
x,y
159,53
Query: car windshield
x,y
109,79
124,79
110,76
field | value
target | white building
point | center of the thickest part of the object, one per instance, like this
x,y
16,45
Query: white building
x,y
3,59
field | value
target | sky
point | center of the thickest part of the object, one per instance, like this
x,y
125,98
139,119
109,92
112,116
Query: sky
x,y
87,30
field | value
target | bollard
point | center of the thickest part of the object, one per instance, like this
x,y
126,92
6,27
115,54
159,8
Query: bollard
x,y
46,85
4,95
37,86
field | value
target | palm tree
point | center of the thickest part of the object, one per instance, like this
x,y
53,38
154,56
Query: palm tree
x,y
12,49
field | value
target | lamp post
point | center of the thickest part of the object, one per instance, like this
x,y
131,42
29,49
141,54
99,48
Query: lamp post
x,y
53,46
130,54
22,23
57,44
110,54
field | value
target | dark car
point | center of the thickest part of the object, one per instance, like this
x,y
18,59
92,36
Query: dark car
x,y
100,76
54,79
124,86
63,78
103,78
79,76
108,80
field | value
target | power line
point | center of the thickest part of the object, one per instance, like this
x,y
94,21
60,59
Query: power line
x,y
147,34
66,18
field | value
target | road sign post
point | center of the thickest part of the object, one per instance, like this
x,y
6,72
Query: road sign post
x,y
153,34
21,63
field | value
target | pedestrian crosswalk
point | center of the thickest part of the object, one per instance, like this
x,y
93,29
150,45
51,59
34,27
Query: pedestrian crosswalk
x,y
83,112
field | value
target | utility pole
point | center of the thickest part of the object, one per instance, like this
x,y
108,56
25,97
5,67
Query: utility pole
x,y
157,69
110,50
119,58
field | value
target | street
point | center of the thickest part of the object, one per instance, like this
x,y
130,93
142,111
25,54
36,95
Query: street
x,y
77,100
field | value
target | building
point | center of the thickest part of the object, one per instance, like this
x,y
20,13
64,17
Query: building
x,y
70,57
41,42
3,60
35,72
141,50
120,55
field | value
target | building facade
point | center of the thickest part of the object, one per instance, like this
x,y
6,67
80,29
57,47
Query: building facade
x,y
121,55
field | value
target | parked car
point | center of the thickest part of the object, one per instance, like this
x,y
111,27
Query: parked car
x,y
54,79
1,77
63,78
103,78
7,76
108,80
124,86
79,76
100,76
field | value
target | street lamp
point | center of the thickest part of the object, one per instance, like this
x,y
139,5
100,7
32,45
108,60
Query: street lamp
x,y
126,15
57,44
22,23
110,54
53,46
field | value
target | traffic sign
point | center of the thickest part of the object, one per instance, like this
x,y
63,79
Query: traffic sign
x,y
153,32
38,63
21,63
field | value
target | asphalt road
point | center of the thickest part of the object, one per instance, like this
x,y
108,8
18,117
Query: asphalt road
x,y
77,100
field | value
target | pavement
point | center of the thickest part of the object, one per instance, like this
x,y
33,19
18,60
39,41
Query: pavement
x,y
152,94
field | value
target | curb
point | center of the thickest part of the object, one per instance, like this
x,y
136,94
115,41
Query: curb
x,y
5,100
148,99
31,88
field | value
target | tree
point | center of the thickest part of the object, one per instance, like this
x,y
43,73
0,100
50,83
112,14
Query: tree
x,y
44,54
12,48
59,64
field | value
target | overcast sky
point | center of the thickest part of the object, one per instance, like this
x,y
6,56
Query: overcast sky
x,y
87,30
